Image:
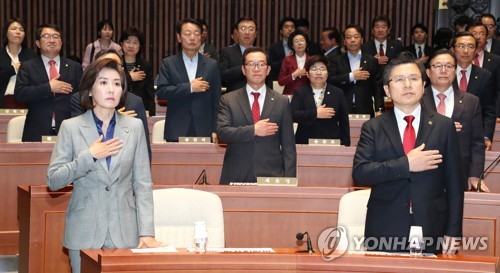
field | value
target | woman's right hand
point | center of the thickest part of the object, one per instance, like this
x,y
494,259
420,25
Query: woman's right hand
x,y
137,75
100,149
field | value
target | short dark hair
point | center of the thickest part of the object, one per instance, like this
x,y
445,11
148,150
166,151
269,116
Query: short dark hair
x,y
202,22
354,26
246,18
107,51
381,18
38,33
333,33
488,15
284,20
420,26
6,26
90,75
296,33
133,31
442,51
315,59
253,50
477,24
178,27
302,22
442,38
102,24
462,21
404,58
462,34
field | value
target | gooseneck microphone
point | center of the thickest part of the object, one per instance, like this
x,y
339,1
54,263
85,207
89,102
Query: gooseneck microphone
x,y
484,173
202,177
300,237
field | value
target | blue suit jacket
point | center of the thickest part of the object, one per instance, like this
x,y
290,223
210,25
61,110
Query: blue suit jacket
x,y
185,109
33,88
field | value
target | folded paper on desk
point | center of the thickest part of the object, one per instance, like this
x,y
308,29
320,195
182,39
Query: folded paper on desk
x,y
155,250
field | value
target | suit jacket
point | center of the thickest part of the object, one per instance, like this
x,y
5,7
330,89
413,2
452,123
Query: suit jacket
x,y
305,114
437,195
495,47
335,52
186,109
276,53
491,62
362,90
119,199
212,51
313,48
393,48
145,88
132,102
288,66
467,111
481,85
33,88
7,70
248,156
428,50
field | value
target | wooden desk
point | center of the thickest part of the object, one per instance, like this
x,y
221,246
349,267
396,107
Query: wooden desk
x,y
284,260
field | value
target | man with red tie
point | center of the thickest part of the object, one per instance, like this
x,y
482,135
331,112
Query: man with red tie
x,y
409,156
256,124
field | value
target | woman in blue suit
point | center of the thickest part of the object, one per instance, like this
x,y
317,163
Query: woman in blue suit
x,y
104,155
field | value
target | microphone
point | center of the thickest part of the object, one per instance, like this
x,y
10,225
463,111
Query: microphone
x,y
484,173
300,236
202,177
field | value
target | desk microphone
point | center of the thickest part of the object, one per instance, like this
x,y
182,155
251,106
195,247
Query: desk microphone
x,y
202,177
300,236
484,173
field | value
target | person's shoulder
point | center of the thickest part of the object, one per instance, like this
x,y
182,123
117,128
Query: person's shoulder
x,y
70,62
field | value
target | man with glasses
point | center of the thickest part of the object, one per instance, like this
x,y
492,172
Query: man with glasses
x,y
409,156
256,124
463,108
46,85
492,44
476,80
191,84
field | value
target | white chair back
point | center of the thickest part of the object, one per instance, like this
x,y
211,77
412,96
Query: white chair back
x,y
278,88
158,132
15,129
352,214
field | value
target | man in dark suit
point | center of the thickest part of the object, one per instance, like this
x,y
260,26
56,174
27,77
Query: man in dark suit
x,y
410,158
313,48
191,84
487,60
46,84
492,44
463,108
330,43
356,73
476,80
419,49
256,124
381,47
278,51
207,49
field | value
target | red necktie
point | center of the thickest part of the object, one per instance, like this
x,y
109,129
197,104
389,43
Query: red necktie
x,y
476,60
463,81
409,135
255,107
441,106
381,50
53,70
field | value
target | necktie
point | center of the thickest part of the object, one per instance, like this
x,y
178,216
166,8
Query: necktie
x,y
53,70
441,108
381,50
255,107
419,54
463,81
409,135
476,60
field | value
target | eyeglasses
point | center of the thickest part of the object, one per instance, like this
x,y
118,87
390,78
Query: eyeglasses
x,y
490,26
401,79
48,36
316,69
245,28
299,42
480,34
446,67
260,65
464,46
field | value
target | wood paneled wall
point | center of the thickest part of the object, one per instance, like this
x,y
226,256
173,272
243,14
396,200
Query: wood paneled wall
x,y
157,18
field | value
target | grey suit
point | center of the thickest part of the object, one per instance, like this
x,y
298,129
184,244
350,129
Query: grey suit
x,y
119,199
249,156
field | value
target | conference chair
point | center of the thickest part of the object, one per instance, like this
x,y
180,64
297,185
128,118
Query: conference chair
x,y
158,129
277,87
15,129
352,214
177,209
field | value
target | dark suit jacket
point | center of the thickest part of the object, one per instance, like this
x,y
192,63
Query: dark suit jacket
x,y
338,75
132,102
248,156
197,110
481,85
467,111
495,47
491,62
7,70
212,51
305,114
288,66
428,50
33,88
230,63
393,48
313,48
276,54
144,89
437,195
335,52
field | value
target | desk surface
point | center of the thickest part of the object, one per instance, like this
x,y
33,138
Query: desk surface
x,y
284,260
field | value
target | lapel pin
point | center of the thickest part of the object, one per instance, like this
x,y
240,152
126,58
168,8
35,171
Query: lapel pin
x,y
430,122
272,98
364,61
127,131
475,77
460,102
328,93
66,65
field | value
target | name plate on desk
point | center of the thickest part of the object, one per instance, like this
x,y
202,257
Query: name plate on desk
x,y
13,111
319,141
277,181
49,139
359,117
195,140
